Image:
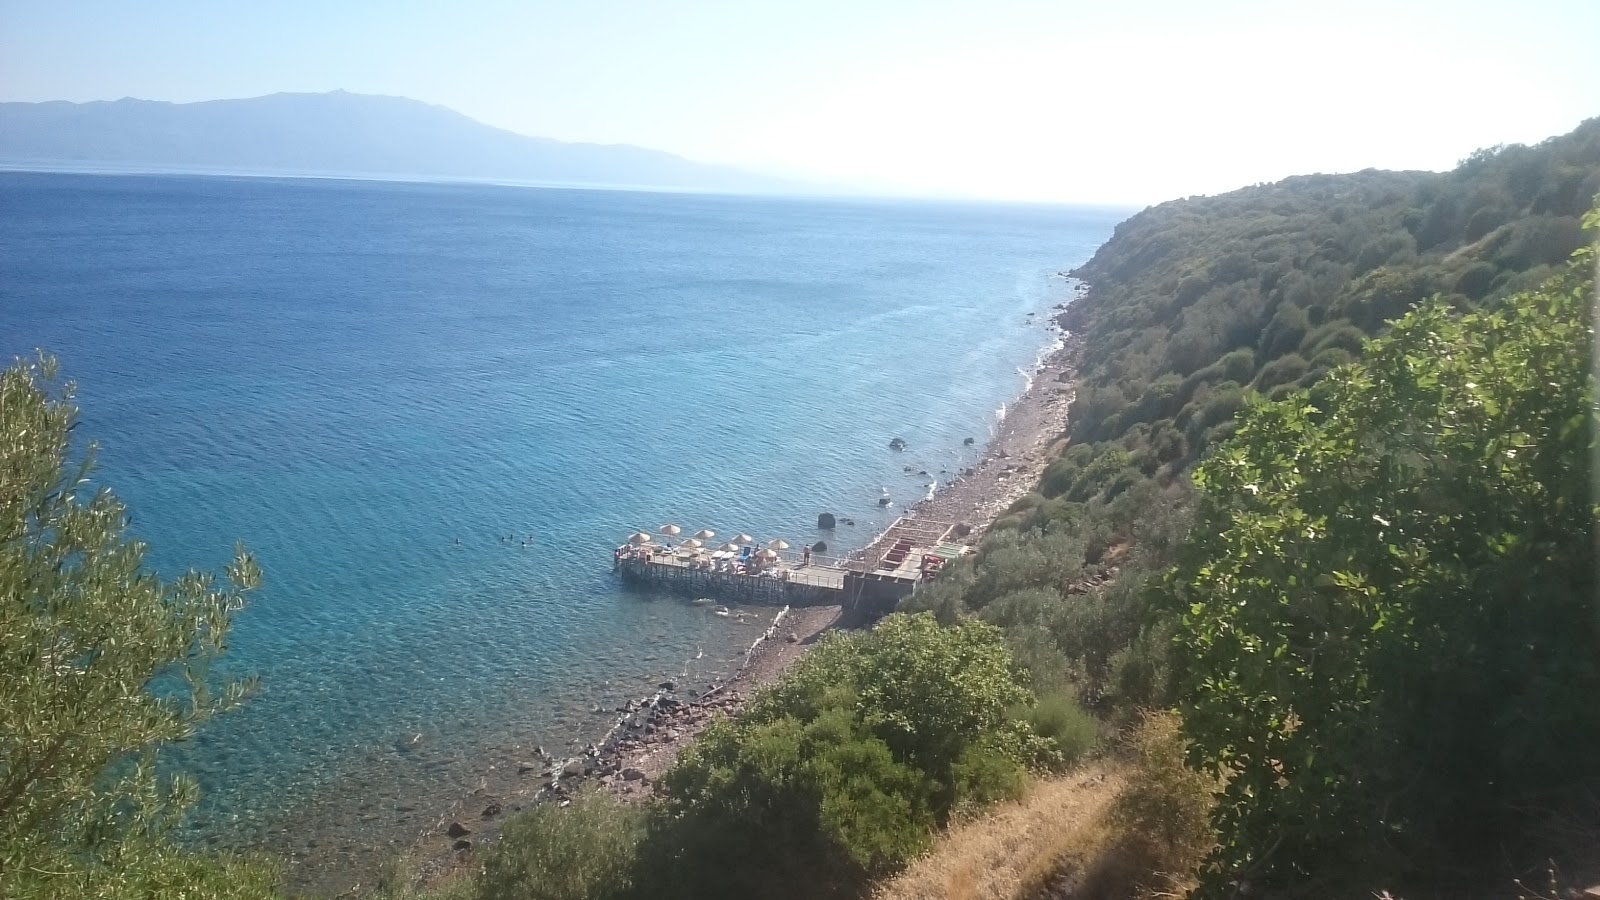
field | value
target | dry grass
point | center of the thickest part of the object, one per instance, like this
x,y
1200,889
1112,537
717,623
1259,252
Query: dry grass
x,y
1111,831
1016,848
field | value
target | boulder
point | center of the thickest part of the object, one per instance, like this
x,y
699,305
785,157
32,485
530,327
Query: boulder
x,y
668,685
457,830
969,442
491,811
897,444
461,845
573,766
819,547
632,775
826,521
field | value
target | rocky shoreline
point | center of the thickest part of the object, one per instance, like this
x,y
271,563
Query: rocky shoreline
x,y
650,732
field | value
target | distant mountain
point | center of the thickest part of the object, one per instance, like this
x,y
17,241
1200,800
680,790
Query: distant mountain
x,y
337,133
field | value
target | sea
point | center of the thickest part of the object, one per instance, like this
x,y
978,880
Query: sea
x,y
431,411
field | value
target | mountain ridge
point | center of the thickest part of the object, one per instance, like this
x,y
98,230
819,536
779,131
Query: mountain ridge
x,y
340,133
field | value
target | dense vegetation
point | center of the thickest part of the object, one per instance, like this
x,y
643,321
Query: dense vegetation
x,y
1386,617
1195,302
835,776
100,662
1380,623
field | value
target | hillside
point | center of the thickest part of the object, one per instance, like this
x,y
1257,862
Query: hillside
x,y
1372,599
336,133
1195,301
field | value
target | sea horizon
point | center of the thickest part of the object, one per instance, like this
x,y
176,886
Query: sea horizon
x,y
846,193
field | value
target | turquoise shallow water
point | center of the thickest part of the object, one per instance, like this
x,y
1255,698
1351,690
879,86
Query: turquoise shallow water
x,y
352,376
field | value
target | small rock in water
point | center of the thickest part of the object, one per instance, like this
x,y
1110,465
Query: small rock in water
x,y
668,685
969,442
897,444
457,829
825,521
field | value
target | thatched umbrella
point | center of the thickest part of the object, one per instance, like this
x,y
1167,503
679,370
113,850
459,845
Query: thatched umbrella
x,y
778,544
730,548
767,554
638,537
692,544
742,539
704,534
671,530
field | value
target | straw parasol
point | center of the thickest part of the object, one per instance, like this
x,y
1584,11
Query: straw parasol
x,y
638,537
767,554
778,544
743,539
704,534
691,543
670,529
730,548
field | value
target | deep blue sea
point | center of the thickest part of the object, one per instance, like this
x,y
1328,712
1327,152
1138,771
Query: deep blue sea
x,y
351,377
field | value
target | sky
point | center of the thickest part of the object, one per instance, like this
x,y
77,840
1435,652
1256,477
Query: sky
x,y
1111,102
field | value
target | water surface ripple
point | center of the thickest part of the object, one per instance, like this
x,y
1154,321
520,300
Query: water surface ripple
x,y
351,377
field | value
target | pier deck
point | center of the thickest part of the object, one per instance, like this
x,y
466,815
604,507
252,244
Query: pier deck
x,y
901,559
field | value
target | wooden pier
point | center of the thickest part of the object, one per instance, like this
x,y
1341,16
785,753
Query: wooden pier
x,y
907,555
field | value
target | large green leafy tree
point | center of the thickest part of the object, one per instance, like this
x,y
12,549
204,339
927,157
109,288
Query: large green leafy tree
x,y
1388,604
100,663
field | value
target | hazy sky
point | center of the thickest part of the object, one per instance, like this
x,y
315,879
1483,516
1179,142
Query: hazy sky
x,y
1105,102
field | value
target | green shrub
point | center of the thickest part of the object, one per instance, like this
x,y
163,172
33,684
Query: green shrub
x,y
585,851
1225,400
984,776
1387,604
1340,334
1074,731
1331,358
841,771
1162,817
1283,370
